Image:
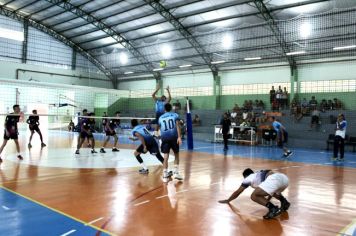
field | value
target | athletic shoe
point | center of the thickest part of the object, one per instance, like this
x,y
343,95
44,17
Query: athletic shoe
x,y
288,154
43,145
177,176
93,151
170,173
20,157
102,150
0,160
88,145
165,177
77,152
143,171
285,206
29,145
334,158
340,159
115,149
273,212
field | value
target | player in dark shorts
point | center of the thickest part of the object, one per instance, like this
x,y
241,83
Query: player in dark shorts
x,y
33,124
85,132
159,105
110,126
171,140
11,130
148,144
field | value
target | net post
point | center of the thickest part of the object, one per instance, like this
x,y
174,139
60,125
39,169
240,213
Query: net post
x,y
190,143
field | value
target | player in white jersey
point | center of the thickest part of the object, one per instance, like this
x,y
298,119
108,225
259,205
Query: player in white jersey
x,y
267,184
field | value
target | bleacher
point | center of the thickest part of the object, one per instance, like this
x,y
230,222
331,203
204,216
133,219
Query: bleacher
x,y
300,133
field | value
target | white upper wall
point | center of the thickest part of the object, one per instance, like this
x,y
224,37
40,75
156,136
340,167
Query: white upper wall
x,y
256,76
137,85
192,80
327,71
36,73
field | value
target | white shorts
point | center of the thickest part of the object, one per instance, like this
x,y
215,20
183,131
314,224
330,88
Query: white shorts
x,y
275,183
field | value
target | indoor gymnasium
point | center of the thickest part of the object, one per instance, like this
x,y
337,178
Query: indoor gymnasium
x,y
178,117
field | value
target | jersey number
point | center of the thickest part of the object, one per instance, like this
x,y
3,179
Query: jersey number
x,y
169,126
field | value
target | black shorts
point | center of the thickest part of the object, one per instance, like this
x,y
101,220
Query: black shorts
x,y
108,133
152,147
285,140
84,134
167,145
158,115
34,128
13,134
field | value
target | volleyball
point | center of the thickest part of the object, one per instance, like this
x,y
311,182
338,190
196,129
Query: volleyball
x,y
162,64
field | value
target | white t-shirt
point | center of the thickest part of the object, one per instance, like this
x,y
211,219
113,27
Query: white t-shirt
x,y
255,179
341,129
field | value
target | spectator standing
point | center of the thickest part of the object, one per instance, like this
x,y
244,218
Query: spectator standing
x,y
272,95
340,134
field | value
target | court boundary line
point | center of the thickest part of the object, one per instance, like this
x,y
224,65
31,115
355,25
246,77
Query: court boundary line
x,y
57,211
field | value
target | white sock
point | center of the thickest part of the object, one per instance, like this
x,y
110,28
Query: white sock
x,y
144,166
175,170
18,154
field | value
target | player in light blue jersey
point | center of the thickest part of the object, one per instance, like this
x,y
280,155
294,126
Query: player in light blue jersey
x,y
282,137
159,104
148,143
171,139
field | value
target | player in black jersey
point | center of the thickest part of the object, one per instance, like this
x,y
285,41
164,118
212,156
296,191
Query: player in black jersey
x,y
85,132
110,126
11,130
33,123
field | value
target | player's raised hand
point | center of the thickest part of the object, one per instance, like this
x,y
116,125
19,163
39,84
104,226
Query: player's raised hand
x,y
167,88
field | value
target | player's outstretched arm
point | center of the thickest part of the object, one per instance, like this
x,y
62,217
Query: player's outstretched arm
x,y
234,195
154,93
169,94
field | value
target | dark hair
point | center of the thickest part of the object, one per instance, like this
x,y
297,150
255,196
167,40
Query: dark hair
x,y
273,118
168,107
117,112
134,123
33,111
247,172
15,106
85,110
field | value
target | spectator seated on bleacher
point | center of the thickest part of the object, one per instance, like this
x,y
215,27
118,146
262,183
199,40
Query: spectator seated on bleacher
x,y
315,118
275,105
331,105
293,106
313,103
305,106
261,104
338,104
196,121
323,105
177,106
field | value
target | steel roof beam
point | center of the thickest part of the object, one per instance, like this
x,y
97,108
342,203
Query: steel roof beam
x,y
109,31
165,13
22,18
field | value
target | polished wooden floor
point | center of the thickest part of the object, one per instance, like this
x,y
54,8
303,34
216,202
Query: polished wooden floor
x,y
323,198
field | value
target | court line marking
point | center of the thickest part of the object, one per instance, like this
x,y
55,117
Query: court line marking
x,y
140,203
93,221
55,210
69,232
162,196
5,208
